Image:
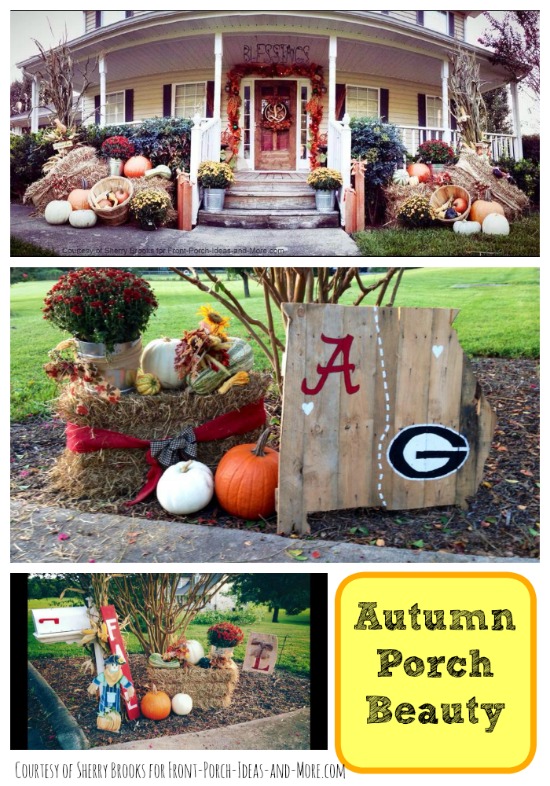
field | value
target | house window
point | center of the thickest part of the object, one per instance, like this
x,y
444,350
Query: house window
x,y
437,21
362,101
190,99
110,17
114,108
434,112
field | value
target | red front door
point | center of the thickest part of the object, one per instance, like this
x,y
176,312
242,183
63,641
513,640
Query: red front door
x,y
275,125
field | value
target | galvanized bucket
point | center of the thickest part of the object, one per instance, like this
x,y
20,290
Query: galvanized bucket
x,y
119,367
324,201
213,200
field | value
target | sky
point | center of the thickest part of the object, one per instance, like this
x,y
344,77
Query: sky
x,y
49,27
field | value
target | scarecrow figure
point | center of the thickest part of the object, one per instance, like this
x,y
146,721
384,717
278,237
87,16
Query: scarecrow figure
x,y
109,684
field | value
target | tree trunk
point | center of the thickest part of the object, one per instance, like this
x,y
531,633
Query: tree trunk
x,y
246,285
275,617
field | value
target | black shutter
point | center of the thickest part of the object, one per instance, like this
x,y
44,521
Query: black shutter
x,y
129,14
384,105
210,86
98,19
167,100
97,107
451,24
129,106
340,102
454,124
420,18
422,110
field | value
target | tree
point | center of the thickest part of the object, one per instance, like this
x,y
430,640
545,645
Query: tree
x,y
21,92
290,592
498,111
515,41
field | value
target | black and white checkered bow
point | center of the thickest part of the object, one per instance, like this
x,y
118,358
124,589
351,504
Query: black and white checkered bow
x,y
172,451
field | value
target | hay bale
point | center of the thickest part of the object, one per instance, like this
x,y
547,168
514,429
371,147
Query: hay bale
x,y
109,474
396,196
209,688
475,174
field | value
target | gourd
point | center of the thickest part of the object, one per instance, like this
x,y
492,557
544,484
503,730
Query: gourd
x,y
195,651
83,219
467,227
241,358
496,224
158,358
414,181
79,199
185,488
246,479
482,208
182,704
58,212
160,171
137,166
156,704
401,177
421,171
147,384
156,662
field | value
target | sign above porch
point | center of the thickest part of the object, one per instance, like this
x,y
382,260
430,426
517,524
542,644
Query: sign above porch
x,y
267,53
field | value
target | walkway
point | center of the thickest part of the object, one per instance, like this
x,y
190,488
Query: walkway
x,y
128,241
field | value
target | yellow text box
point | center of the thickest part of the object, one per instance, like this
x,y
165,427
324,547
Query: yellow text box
x,y
435,672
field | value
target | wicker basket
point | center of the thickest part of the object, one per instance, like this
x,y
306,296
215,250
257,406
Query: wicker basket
x,y
443,194
114,216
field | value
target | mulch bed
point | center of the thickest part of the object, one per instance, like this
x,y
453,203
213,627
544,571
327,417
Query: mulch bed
x,y
256,696
501,521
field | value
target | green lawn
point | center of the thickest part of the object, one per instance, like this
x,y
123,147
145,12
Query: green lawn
x,y
499,317
523,241
292,632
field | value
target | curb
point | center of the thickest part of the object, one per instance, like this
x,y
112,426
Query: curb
x,y
69,734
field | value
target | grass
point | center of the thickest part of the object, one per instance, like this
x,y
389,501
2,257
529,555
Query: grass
x,y
499,317
523,241
20,248
292,632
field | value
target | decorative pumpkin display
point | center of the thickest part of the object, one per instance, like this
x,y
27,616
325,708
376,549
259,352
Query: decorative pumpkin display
x,y
496,224
156,704
414,181
241,358
82,219
160,171
58,212
246,479
182,704
482,208
185,488
158,359
401,177
147,384
79,199
195,652
156,661
467,227
421,171
137,166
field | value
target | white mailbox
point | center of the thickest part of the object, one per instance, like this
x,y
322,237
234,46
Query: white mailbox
x,y
60,625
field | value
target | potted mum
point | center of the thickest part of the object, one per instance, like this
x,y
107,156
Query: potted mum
x,y
325,182
215,178
150,208
117,149
105,310
223,638
436,154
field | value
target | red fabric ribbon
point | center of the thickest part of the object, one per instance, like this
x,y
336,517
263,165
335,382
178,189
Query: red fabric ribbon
x,y
83,439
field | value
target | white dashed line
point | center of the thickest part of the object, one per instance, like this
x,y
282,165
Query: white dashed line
x,y
388,409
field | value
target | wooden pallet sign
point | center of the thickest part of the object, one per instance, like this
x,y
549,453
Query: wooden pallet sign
x,y
261,653
381,408
116,643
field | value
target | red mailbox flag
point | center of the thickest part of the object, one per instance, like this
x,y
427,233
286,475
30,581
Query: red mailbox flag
x,y
117,648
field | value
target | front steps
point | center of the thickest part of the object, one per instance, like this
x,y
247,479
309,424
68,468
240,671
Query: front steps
x,y
270,200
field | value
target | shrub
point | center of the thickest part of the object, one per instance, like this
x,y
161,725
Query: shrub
x,y
243,617
94,136
416,213
531,147
28,154
526,175
165,141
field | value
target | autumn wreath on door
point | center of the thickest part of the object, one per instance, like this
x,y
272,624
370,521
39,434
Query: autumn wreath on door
x,y
276,117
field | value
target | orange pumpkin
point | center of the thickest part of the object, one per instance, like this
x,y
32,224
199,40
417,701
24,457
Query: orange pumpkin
x,y
156,704
79,199
482,208
421,171
246,479
137,166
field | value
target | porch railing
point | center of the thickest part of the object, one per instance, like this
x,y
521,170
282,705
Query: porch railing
x,y
502,145
339,156
206,138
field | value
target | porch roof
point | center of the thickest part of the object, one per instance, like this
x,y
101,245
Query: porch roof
x,y
153,43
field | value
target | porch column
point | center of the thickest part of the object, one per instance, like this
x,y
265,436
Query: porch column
x,y
333,51
35,104
516,121
445,101
218,63
102,91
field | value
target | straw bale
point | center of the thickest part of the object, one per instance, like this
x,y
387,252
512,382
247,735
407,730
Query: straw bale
x,y
397,195
121,473
209,688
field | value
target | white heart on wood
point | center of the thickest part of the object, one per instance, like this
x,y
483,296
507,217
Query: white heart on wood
x,y
438,351
308,408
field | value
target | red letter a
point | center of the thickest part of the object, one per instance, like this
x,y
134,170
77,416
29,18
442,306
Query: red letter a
x,y
343,345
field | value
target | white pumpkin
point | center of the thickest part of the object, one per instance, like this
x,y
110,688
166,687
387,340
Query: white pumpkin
x,y
58,212
185,488
467,227
401,177
495,224
414,181
83,219
182,704
195,651
158,358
